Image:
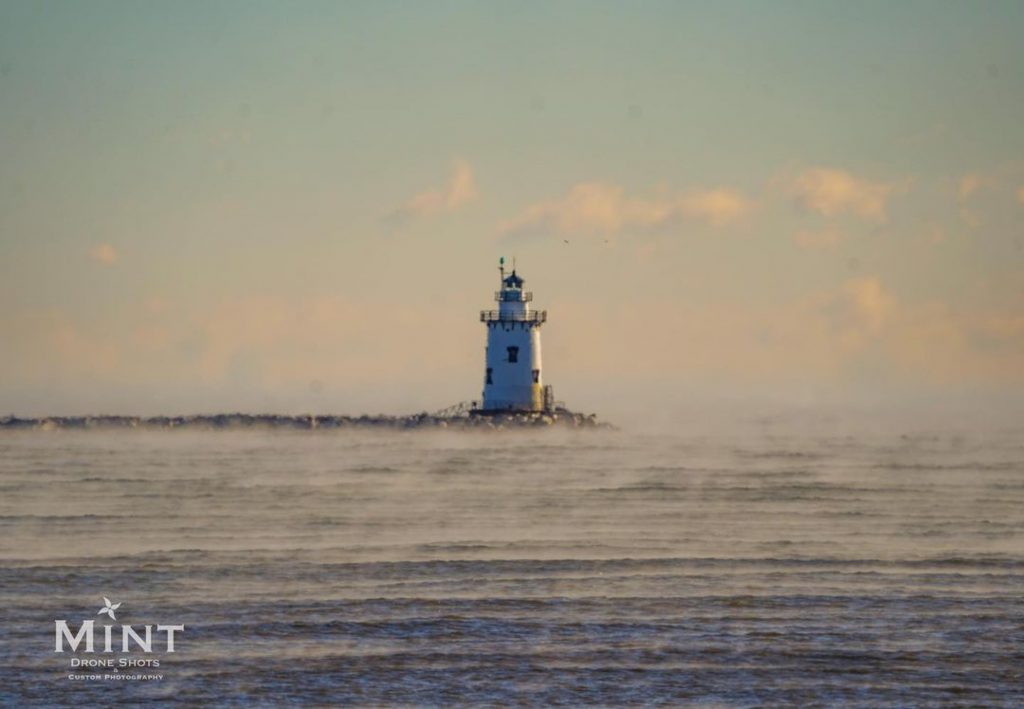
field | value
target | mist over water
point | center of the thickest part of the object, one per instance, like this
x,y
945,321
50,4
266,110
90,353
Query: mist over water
x,y
769,563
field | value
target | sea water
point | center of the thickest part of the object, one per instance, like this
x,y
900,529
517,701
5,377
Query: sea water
x,y
769,566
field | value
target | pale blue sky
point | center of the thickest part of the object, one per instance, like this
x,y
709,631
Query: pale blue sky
x,y
159,161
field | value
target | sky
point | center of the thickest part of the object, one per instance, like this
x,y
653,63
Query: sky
x,y
300,206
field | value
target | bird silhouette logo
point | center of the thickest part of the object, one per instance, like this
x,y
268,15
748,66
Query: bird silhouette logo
x,y
109,608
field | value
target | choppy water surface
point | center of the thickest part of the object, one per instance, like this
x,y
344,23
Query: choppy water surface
x,y
348,568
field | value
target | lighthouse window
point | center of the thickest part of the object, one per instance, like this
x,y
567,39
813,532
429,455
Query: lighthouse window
x,y
536,376
513,354
490,379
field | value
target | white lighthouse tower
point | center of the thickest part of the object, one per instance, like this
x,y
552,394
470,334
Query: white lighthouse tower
x,y
513,380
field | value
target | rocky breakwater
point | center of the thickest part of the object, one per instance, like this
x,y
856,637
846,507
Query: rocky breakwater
x,y
238,421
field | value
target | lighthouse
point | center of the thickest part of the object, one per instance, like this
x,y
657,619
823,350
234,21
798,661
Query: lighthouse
x,y
513,378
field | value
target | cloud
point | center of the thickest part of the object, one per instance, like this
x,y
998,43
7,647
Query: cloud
x,y
155,305
603,208
997,185
459,191
864,305
51,347
591,207
968,187
856,334
104,253
263,352
831,192
236,353
276,342
969,184
948,344
717,207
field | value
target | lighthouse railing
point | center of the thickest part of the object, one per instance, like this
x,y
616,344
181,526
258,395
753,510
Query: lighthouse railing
x,y
534,316
513,296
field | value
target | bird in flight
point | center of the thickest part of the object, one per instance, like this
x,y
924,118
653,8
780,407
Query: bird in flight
x,y
109,608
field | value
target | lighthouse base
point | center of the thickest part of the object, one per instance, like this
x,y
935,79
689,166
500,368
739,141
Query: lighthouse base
x,y
512,400
510,412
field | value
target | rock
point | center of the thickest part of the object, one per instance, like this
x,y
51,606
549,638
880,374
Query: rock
x,y
502,421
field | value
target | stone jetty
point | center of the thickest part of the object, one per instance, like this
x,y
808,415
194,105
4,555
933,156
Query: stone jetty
x,y
239,421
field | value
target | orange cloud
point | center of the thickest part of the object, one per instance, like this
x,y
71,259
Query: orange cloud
x,y
836,335
51,346
273,341
856,333
460,190
863,307
717,207
104,253
831,192
969,184
602,208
